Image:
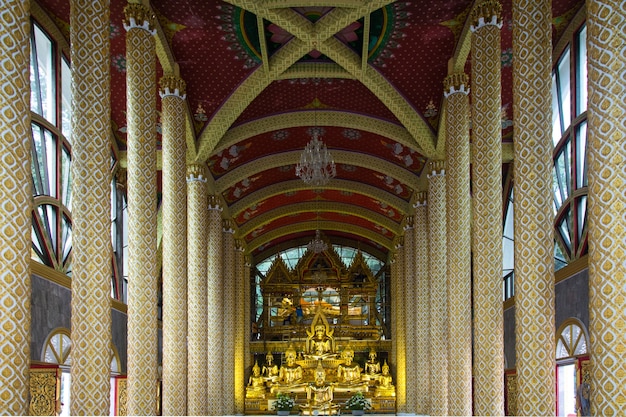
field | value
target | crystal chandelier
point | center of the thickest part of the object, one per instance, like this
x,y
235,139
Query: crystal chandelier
x,y
316,165
316,168
317,245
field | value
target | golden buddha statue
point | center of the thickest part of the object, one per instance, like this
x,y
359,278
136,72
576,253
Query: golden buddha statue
x,y
320,343
270,369
319,395
372,366
349,373
385,387
256,383
290,374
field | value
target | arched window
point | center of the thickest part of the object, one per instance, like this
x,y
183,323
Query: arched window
x,y
58,350
569,135
51,140
571,344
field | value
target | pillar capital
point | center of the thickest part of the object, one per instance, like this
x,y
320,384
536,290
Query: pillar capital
x,y
486,13
172,86
227,226
421,199
456,83
436,168
408,223
140,17
196,172
214,203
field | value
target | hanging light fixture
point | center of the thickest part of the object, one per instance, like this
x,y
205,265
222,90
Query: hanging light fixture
x,y
316,165
316,168
317,245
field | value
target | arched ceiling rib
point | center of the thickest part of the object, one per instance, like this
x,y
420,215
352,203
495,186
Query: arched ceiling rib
x,y
268,237
320,207
342,185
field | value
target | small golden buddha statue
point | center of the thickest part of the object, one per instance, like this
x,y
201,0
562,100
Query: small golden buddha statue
x,y
349,373
270,369
290,374
372,366
319,395
385,387
256,383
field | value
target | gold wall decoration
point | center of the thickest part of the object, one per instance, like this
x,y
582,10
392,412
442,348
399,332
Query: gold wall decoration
x,y
45,387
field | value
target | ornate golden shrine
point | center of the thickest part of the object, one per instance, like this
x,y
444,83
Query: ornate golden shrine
x,y
318,314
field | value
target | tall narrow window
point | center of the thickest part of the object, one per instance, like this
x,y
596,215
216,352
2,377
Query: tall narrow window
x,y
569,133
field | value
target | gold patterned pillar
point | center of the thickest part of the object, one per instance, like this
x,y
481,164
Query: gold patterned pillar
x,y
437,255
534,229
91,209
228,329
409,314
15,207
142,206
174,246
458,208
215,309
486,21
247,312
400,329
421,362
607,204
240,324
197,319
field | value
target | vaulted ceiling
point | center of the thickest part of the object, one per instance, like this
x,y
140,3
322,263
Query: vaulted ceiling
x,y
262,75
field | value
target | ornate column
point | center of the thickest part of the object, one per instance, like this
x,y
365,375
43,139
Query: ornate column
x,y
606,205
421,362
409,315
174,390
247,312
534,230
437,255
399,337
240,324
91,209
229,311
198,394
487,187
142,205
459,266
15,207
215,309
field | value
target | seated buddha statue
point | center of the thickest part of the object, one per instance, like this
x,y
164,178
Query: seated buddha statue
x,y
385,387
372,366
256,383
319,395
290,375
270,369
349,373
320,343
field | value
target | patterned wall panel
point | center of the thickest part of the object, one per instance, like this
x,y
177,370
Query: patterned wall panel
x,y
534,233
458,209
91,208
607,202
15,207
142,204
487,187
174,209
